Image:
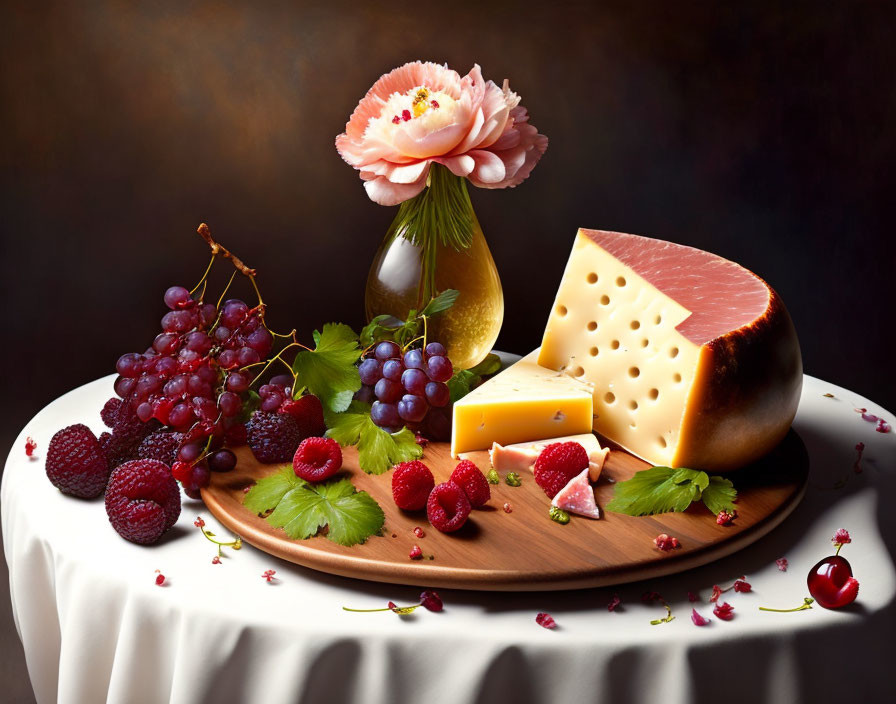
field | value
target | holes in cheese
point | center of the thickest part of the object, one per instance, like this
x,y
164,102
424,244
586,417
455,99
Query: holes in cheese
x,y
714,385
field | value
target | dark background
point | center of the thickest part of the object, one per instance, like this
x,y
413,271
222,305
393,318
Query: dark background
x,y
765,136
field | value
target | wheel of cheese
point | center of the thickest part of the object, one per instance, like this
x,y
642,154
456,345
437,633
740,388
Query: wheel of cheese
x,y
693,359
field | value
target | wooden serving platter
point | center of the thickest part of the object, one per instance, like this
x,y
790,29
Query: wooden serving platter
x,y
524,550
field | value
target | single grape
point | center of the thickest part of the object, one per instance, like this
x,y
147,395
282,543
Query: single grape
x,y
147,384
412,408
437,394
434,349
370,371
234,313
229,403
237,382
392,369
177,297
165,367
189,452
388,391
221,461
271,404
246,356
129,365
199,479
176,387
181,416
177,321
144,411
365,394
207,314
124,386
414,381
413,359
261,341
208,374
385,415
251,324
387,350
227,359
166,343
205,408
282,380
221,334
198,342
439,368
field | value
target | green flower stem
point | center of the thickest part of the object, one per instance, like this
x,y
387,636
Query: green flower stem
x,y
235,544
807,604
669,616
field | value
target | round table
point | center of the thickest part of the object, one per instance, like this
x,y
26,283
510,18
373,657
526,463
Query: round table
x,y
95,626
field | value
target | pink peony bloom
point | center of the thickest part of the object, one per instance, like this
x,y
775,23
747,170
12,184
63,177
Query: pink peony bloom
x,y
421,114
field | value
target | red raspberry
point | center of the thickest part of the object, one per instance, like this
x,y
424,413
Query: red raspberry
x,y
109,414
557,464
309,414
76,463
317,459
142,500
160,446
411,484
447,507
468,477
273,437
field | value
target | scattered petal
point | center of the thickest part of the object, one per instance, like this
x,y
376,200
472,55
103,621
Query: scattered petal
x,y
268,576
416,553
698,619
545,621
883,426
716,593
216,560
160,579
199,523
693,597
724,611
741,585
724,518
507,508
860,410
666,542
615,603
431,600
829,395
30,446
782,563
420,440
870,417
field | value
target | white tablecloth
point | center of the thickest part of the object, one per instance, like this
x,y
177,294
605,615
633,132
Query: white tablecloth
x,y
96,627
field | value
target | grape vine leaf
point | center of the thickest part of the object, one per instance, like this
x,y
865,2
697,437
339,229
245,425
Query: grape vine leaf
x,y
388,327
440,303
465,380
378,450
662,489
329,370
303,509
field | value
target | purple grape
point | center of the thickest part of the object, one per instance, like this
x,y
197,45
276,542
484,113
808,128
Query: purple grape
x,y
434,349
166,343
205,408
365,394
271,404
221,333
282,380
207,314
247,356
177,321
261,341
129,365
199,478
413,359
227,359
208,374
392,369
229,403
237,382
251,324
177,297
370,371
198,342
124,386
146,385
439,368
221,461
188,357
234,313
412,408
189,452
385,415
165,367
196,386
144,411
387,350
414,380
437,394
177,387
388,391
181,416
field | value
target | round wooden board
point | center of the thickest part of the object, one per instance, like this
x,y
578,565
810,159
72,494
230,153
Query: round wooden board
x,y
524,550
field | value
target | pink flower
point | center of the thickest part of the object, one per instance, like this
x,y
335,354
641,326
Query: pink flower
x,y
841,537
698,619
724,611
421,114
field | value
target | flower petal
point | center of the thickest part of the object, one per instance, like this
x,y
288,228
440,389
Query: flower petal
x,y
460,165
381,190
489,168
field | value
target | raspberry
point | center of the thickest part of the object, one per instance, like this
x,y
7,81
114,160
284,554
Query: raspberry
x,y
142,500
160,446
411,484
76,463
273,437
317,459
128,432
557,464
109,414
308,413
468,477
447,507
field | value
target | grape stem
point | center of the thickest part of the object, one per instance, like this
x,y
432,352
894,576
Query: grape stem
x,y
217,248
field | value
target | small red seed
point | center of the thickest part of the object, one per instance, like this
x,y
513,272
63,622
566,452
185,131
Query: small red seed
x,y
160,579
396,119
418,531
405,115
416,553
508,508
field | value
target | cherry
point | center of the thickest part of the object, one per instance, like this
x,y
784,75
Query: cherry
x,y
832,584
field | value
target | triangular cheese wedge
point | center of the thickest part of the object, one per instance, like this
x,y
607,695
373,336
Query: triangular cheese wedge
x,y
577,497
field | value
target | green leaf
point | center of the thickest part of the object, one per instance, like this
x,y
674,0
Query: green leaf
x,y
719,495
378,451
440,303
329,371
303,509
382,327
490,365
461,384
656,490
315,335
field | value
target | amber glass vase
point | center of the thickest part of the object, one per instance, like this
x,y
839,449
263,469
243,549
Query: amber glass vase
x,y
435,243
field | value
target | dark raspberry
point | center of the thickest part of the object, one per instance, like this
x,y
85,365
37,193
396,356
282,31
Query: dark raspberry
x,y
557,464
128,432
273,437
160,446
142,500
76,463
309,414
317,459
447,507
109,414
468,477
411,484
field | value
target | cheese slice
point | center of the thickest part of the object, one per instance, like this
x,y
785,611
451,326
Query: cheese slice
x,y
521,456
577,497
694,360
522,403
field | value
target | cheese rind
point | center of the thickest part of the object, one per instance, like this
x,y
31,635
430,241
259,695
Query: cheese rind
x,y
522,403
694,359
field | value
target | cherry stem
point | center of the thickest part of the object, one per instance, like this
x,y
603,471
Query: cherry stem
x,y
807,604
401,610
838,546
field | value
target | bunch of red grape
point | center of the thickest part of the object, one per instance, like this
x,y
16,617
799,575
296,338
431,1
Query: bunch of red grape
x,y
405,387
